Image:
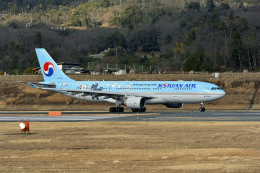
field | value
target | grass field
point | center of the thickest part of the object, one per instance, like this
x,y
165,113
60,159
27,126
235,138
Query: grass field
x,y
131,147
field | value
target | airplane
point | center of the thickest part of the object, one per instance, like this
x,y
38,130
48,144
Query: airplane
x,y
133,94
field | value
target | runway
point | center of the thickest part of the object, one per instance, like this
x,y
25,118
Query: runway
x,y
148,116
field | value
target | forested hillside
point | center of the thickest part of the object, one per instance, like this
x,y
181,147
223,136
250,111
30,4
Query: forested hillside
x,y
172,35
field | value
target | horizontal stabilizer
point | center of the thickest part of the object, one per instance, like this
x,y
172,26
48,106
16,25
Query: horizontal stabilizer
x,y
32,85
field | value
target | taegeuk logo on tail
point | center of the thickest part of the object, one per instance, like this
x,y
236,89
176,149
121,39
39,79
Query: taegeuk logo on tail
x,y
48,69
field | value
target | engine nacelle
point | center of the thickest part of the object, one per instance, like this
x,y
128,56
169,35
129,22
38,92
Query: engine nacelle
x,y
135,102
174,105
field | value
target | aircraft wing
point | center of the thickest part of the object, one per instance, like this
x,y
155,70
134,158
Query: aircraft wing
x,y
115,95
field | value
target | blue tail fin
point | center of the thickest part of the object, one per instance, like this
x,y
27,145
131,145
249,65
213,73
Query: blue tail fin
x,y
50,71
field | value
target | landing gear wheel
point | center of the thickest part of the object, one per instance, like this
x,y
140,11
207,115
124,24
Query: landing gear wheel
x,y
135,110
112,109
143,109
139,110
121,109
202,109
116,109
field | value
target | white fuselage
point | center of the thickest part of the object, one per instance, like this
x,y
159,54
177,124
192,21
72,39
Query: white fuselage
x,y
161,92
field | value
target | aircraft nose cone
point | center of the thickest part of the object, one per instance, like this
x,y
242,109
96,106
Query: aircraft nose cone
x,y
222,93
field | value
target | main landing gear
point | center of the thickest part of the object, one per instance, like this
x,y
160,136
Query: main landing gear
x,y
139,110
116,109
121,109
202,108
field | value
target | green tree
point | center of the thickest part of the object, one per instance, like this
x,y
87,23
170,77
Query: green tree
x,y
190,37
210,5
168,39
54,54
193,5
14,59
231,25
155,14
14,9
10,6
116,39
38,38
195,62
11,47
242,24
146,39
29,70
131,16
236,49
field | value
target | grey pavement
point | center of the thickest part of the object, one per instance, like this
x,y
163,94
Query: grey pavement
x,y
150,116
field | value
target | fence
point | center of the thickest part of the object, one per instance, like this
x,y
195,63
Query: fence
x,y
141,77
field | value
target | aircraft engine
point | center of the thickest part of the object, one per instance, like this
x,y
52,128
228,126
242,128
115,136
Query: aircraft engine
x,y
135,102
174,105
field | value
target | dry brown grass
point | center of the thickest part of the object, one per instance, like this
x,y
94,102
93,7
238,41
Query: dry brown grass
x,y
10,101
131,147
257,99
33,91
57,98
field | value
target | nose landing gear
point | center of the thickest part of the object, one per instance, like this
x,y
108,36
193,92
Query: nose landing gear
x,y
202,108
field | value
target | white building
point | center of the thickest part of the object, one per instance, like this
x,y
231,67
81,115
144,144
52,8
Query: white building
x,y
120,72
70,68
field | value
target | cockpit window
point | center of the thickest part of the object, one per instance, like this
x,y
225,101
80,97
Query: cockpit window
x,y
215,88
